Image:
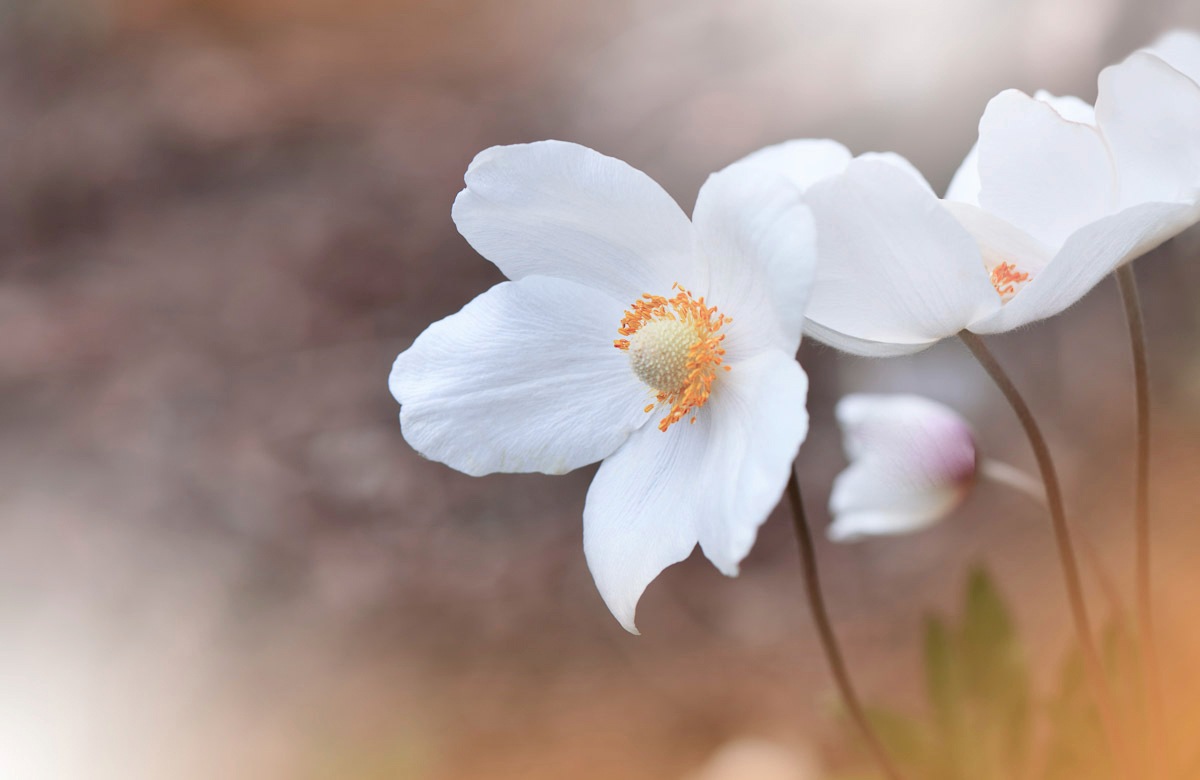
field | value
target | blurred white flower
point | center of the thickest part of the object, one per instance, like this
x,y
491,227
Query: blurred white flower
x,y
912,462
1055,196
752,758
621,313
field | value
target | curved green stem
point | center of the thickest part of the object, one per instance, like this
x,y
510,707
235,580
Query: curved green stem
x,y
816,603
1066,552
1151,688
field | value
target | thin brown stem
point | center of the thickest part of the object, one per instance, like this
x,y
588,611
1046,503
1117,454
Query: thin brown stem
x,y
1066,553
1003,474
1151,688
816,603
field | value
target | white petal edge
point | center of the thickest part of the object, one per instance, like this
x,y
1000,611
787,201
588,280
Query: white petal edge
x,y
759,242
1088,256
712,483
1149,114
524,378
964,186
560,209
805,161
1069,107
854,526
1181,50
1042,173
894,267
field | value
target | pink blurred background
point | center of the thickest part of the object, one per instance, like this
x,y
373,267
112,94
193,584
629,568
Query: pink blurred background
x,y
221,220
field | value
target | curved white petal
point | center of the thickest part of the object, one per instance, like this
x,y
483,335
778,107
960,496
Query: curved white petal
x,y
1042,173
805,161
863,347
964,186
912,461
1069,107
758,240
894,267
1181,50
1089,256
524,378
1000,242
711,483
899,162
1149,113
563,210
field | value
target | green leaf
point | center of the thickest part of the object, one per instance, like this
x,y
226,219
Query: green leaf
x,y
947,694
908,741
996,679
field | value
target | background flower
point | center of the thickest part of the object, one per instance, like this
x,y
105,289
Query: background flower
x,y
912,462
1052,199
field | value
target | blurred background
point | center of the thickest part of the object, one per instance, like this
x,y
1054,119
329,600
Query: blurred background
x,y
220,220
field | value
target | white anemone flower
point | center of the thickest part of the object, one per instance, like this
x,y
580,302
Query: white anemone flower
x,y
912,462
1054,197
629,334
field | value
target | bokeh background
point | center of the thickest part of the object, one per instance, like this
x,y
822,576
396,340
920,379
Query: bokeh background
x,y
220,220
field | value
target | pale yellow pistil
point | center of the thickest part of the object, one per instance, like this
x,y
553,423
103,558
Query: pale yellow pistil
x,y
675,348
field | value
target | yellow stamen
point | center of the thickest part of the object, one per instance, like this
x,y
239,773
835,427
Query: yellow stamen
x,y
675,348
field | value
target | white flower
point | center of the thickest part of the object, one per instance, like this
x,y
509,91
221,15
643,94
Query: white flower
x,y
629,334
754,758
912,462
1054,198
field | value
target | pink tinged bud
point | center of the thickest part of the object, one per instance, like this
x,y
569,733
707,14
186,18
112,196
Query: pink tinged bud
x,y
912,462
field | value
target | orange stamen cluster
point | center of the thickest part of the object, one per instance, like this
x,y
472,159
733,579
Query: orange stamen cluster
x,y
1005,278
674,341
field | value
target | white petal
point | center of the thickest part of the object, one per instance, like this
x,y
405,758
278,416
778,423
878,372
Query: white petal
x,y
860,346
805,161
1181,50
563,210
1069,107
524,378
759,242
1042,173
912,462
852,525
760,421
1089,256
998,240
1150,115
900,162
713,482
894,268
964,187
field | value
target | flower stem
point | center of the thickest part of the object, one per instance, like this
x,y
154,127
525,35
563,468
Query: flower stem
x,y
1066,553
1012,477
1151,690
816,603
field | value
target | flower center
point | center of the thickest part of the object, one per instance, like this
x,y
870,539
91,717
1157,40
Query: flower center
x,y
675,348
1008,280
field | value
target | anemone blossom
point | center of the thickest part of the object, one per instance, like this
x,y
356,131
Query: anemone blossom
x,y
663,347
1053,198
